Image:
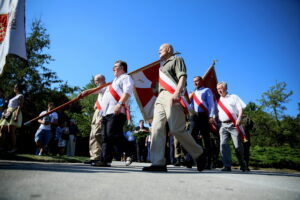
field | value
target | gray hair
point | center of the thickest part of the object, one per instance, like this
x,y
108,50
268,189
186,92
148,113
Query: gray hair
x,y
223,83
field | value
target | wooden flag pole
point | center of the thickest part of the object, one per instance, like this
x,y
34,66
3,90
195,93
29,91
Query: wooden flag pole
x,y
80,97
67,103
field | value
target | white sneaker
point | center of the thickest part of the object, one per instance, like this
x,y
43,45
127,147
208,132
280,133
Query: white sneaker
x,y
128,161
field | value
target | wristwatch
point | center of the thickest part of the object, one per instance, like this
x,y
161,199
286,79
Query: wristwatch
x,y
119,102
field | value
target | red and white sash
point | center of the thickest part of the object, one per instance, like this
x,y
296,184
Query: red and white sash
x,y
97,104
213,126
198,101
233,117
116,93
170,86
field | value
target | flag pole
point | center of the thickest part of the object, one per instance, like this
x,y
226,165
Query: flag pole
x,y
82,96
68,103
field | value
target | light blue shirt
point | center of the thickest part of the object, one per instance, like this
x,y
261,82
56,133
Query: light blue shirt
x,y
206,96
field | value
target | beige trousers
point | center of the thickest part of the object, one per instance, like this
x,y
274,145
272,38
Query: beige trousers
x,y
174,115
95,137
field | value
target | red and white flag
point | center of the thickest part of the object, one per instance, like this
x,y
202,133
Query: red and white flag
x,y
12,30
146,88
210,80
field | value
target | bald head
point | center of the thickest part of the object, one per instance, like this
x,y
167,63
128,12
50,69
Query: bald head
x,y
165,51
99,79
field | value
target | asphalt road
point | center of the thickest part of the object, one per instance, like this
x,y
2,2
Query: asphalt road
x,y
21,180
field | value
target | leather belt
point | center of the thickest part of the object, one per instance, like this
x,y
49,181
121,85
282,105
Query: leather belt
x,y
227,121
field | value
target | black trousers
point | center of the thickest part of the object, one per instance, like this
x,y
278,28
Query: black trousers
x,y
199,126
113,137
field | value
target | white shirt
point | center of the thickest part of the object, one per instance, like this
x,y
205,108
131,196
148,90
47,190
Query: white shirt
x,y
52,117
14,102
233,103
124,84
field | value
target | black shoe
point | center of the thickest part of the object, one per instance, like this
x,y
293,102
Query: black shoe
x,y
226,169
189,163
88,162
178,163
153,168
201,162
100,164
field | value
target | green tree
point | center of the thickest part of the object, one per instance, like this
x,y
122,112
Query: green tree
x,y
83,111
41,83
275,98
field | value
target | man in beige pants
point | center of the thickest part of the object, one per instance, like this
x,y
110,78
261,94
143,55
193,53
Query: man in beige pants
x,y
169,108
96,126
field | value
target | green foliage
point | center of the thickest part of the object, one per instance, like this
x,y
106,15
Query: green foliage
x,y
140,134
275,98
41,84
84,112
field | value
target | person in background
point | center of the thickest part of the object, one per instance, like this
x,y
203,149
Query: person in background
x,y
141,149
43,135
61,142
248,126
12,117
2,102
73,132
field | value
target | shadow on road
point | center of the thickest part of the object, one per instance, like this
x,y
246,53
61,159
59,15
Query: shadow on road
x,y
120,168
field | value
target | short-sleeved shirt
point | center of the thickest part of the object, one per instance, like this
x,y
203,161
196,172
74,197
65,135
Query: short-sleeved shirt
x,y
14,102
174,68
51,118
108,103
233,103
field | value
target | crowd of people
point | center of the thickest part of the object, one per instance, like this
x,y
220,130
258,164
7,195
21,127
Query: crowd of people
x,y
181,133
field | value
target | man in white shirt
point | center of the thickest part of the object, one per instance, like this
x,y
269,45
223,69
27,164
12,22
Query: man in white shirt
x,y
114,106
230,110
95,140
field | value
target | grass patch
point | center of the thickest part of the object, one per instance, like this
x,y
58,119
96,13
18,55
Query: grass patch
x,y
283,157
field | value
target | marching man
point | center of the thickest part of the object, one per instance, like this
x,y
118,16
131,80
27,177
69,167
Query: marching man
x,y
170,108
114,106
230,108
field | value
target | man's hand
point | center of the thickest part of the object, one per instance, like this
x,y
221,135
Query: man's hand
x,y
238,122
118,108
175,98
211,120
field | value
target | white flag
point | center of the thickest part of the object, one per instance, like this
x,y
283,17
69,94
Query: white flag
x,y
12,30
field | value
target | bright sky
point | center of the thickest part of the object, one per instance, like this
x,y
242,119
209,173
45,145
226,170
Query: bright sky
x,y
255,41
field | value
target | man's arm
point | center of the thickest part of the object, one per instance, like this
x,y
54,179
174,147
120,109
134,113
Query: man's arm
x,y
122,101
179,88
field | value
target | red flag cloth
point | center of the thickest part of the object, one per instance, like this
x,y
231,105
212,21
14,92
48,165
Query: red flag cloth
x,y
146,88
210,81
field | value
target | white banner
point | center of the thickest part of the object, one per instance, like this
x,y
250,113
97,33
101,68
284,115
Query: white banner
x,y
12,30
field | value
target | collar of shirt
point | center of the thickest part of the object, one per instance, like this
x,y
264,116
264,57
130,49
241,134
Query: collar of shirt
x,y
168,60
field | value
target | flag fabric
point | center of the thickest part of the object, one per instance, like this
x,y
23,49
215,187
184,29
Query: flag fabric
x,y
146,88
12,30
210,80
146,80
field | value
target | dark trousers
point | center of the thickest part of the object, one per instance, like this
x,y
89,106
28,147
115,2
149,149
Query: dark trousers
x,y
141,149
199,126
247,150
113,138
